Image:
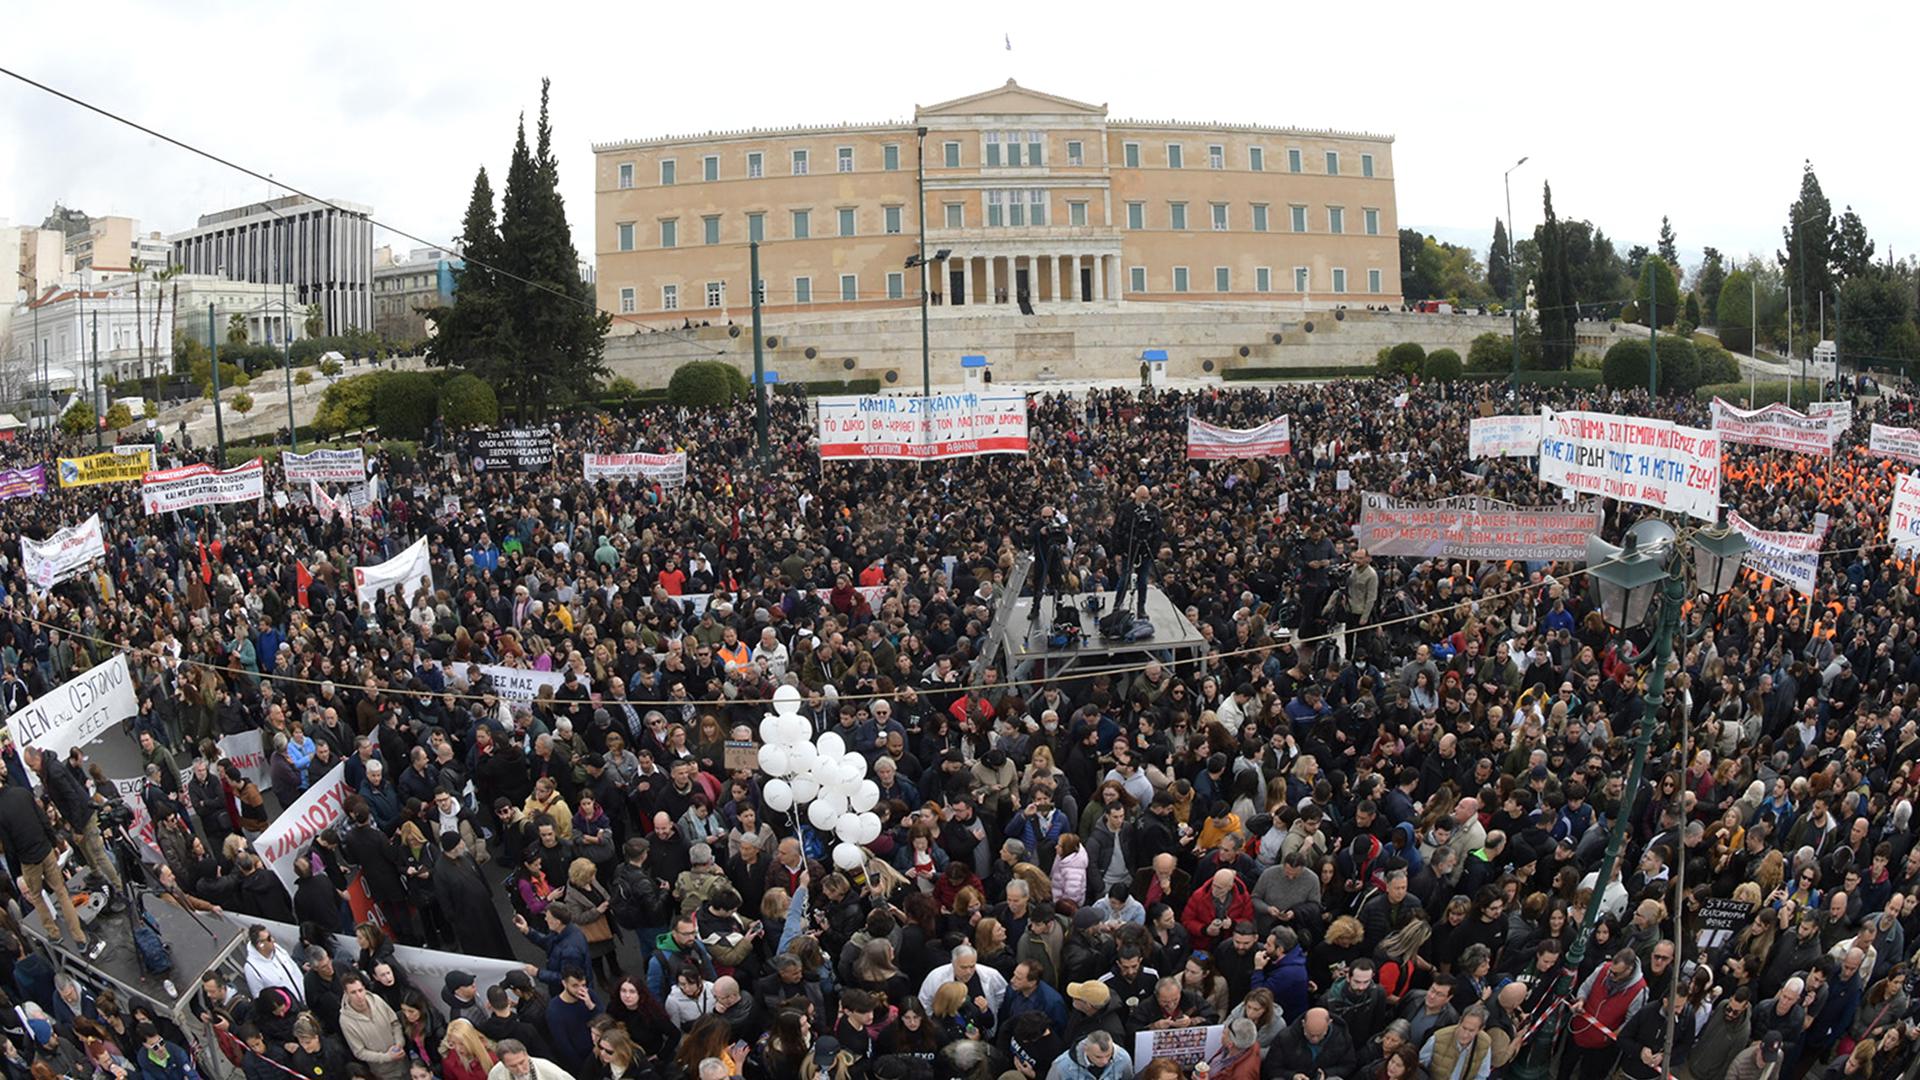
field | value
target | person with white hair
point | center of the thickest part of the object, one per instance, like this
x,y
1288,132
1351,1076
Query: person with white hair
x,y
986,987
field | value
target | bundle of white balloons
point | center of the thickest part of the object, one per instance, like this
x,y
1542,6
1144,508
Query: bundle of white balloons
x,y
822,774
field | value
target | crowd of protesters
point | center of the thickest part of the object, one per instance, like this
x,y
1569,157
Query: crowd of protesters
x,y
1355,839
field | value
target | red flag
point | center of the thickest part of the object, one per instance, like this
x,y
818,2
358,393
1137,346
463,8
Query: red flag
x,y
302,578
206,568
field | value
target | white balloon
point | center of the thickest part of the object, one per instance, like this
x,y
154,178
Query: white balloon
x,y
774,760
802,757
831,745
865,797
799,731
786,699
847,856
853,767
870,830
824,812
848,827
771,728
804,790
778,795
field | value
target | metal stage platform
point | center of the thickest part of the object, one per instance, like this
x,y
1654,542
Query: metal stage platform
x,y
1023,652
197,946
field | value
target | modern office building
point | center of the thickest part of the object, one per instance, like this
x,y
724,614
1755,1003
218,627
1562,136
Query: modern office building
x,y
324,251
1030,196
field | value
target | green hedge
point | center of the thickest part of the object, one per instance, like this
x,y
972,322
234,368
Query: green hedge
x,y
261,446
1441,365
1322,371
1766,392
829,386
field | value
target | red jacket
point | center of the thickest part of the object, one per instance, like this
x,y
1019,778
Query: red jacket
x,y
1603,1012
1200,912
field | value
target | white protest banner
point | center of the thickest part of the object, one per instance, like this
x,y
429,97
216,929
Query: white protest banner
x,y
520,684
1208,442
1188,1045
203,485
326,466
1503,436
668,470
1903,517
1784,556
1842,409
1901,444
426,969
1474,527
142,828
79,710
323,502
1778,427
403,572
247,753
60,556
1650,462
922,428
323,806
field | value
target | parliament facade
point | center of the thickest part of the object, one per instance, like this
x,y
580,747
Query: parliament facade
x,y
1031,197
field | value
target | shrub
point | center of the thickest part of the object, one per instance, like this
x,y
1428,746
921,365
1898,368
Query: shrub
x,y
706,382
467,401
1576,378
1587,361
150,409
78,419
405,404
348,404
1625,365
1490,352
241,403
302,378
1717,365
1405,359
1442,365
1691,311
622,388
330,368
118,416
1314,371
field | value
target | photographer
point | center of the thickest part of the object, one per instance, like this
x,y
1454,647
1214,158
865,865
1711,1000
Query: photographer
x,y
1051,543
67,789
1137,528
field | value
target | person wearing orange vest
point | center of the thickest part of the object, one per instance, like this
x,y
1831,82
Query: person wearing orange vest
x,y
1607,1000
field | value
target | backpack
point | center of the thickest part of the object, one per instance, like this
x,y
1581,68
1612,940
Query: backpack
x,y
156,956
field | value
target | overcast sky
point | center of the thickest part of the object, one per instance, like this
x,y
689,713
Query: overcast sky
x,y
1632,110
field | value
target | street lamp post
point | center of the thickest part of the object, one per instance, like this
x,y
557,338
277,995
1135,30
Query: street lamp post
x,y
1514,292
1646,579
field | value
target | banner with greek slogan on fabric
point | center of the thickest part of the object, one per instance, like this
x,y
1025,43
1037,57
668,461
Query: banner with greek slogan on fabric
x,y
1503,436
1784,556
1654,463
60,556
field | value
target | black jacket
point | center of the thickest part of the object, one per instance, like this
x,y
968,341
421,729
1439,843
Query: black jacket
x,y
467,903
23,827
1291,1053
68,791
370,851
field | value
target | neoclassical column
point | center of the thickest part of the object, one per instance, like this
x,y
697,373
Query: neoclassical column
x,y
1099,277
1073,277
992,293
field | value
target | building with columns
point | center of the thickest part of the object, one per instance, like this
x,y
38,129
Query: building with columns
x,y
1031,197
323,250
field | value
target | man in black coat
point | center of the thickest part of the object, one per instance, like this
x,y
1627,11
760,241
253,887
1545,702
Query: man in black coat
x,y
28,840
67,790
467,903
366,847
1314,1045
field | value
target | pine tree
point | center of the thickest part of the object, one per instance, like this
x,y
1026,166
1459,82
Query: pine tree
x,y
1710,280
1555,295
470,332
1808,255
1499,266
1852,251
1667,249
557,328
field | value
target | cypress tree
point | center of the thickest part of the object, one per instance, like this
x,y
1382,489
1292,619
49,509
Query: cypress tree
x,y
1554,296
